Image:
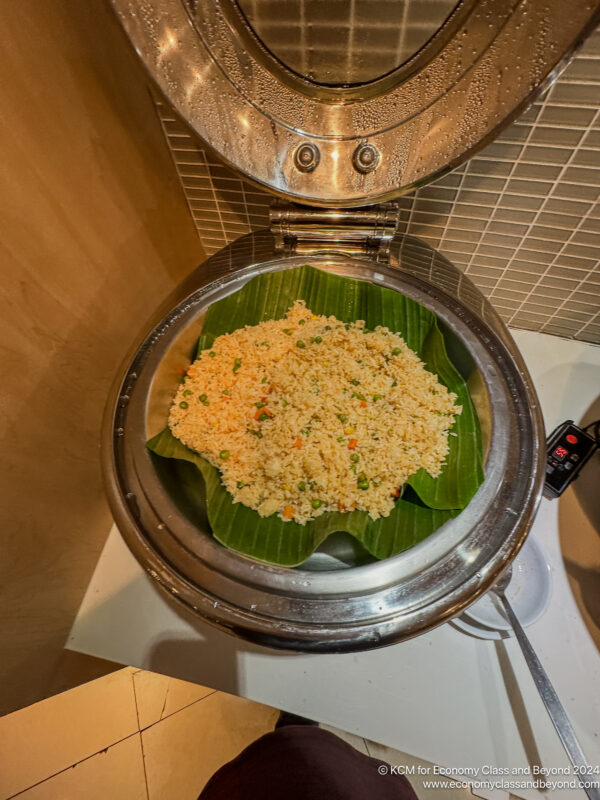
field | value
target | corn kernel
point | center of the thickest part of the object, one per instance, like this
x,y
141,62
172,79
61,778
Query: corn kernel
x,y
287,487
348,431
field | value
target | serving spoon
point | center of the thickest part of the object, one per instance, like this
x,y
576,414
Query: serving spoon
x,y
554,707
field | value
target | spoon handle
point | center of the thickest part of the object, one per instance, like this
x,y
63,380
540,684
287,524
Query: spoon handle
x,y
554,707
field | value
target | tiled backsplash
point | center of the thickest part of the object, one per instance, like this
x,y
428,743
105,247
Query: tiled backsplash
x,y
335,42
521,218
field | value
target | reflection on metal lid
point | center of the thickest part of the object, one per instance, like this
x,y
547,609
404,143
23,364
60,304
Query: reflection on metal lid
x,y
425,117
337,42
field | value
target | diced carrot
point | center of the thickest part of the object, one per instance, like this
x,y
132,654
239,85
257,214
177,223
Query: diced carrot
x,y
263,399
288,512
298,444
363,403
225,397
396,493
352,444
260,411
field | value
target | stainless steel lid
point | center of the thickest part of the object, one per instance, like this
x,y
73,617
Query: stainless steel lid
x,y
333,103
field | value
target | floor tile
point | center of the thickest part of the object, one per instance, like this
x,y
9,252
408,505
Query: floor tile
x,y
38,741
158,696
115,774
396,758
357,742
182,751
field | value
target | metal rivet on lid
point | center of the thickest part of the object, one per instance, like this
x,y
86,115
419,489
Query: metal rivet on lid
x,y
366,158
307,157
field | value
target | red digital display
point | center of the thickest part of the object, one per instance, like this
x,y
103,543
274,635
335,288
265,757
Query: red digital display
x,y
561,452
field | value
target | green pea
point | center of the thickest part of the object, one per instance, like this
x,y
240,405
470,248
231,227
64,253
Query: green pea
x,y
340,438
302,486
396,351
225,391
302,322
284,402
342,417
364,485
187,393
300,344
376,397
264,380
240,484
355,382
212,354
258,434
237,364
259,405
395,383
354,457
327,327
202,398
183,404
316,503
287,330
224,454
316,340
262,417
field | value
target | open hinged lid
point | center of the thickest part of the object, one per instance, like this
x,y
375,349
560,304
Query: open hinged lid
x,y
351,102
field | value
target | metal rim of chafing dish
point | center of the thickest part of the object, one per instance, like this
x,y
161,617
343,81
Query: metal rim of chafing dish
x,y
327,607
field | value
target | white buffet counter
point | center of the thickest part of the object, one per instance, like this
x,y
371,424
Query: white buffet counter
x,y
445,696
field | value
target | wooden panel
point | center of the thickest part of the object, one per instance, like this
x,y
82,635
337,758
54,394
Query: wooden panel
x,y
94,232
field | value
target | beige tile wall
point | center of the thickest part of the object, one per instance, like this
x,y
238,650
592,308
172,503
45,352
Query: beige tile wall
x,y
522,218
345,42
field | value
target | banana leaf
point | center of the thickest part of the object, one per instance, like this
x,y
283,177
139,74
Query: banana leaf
x,y
195,485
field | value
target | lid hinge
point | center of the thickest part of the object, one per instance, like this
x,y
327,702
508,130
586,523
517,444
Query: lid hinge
x,y
355,231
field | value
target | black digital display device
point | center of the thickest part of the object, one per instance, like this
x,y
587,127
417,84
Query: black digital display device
x,y
568,449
